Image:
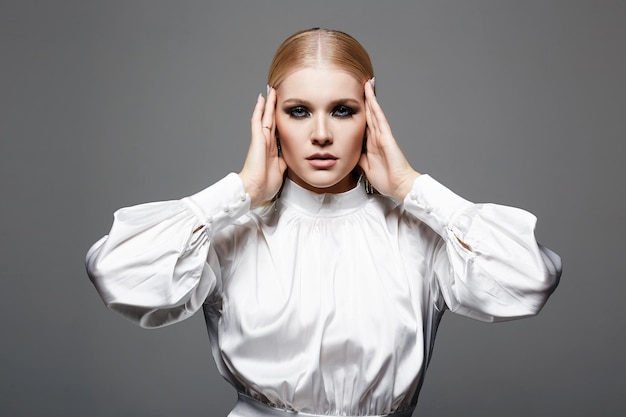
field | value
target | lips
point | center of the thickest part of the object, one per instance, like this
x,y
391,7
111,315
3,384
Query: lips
x,y
322,160
323,156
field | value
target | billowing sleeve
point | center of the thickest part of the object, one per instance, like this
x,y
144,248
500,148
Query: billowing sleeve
x,y
487,264
157,265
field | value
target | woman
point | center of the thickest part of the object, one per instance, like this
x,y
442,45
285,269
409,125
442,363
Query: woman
x,y
322,297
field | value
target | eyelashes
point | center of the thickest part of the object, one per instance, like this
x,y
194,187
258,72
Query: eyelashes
x,y
343,111
298,112
340,111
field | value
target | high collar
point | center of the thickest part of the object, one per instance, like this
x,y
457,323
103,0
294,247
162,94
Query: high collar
x,y
322,205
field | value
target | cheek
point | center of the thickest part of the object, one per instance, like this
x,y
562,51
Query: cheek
x,y
287,135
357,136
284,128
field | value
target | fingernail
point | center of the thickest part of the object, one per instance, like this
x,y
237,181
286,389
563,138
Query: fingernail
x,y
373,82
268,89
259,97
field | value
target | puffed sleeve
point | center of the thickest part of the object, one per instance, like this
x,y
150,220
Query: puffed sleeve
x,y
157,264
487,264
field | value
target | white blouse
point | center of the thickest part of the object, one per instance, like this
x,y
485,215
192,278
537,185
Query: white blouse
x,y
324,304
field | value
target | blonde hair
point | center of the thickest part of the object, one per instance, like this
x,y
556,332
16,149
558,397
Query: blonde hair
x,y
313,47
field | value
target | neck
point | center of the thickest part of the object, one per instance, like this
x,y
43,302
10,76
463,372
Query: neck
x,y
345,184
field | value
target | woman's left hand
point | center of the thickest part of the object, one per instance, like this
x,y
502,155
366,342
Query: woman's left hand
x,y
384,164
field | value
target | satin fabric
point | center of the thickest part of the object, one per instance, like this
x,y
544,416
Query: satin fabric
x,y
249,407
325,304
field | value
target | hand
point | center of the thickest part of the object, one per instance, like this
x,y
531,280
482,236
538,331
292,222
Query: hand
x,y
384,164
262,172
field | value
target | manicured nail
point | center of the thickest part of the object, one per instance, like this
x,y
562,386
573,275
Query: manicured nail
x,y
373,82
268,89
259,97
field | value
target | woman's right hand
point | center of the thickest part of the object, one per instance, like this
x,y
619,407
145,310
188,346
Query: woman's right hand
x,y
262,172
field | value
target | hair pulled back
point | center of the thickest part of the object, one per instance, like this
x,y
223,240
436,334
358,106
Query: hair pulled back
x,y
315,47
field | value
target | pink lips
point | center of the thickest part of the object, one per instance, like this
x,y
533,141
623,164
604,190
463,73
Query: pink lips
x,y
322,160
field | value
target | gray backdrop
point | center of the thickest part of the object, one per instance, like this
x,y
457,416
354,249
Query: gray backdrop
x,y
112,103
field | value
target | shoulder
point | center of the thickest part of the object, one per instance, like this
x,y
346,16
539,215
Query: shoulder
x,y
388,211
383,204
391,209
227,240
400,222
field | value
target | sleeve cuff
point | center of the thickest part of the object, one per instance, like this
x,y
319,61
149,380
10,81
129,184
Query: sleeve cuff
x,y
438,206
222,203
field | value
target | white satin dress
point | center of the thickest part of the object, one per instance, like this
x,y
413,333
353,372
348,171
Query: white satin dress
x,y
322,304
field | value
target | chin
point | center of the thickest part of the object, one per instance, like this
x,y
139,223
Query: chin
x,y
325,185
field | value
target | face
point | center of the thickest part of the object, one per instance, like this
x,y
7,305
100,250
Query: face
x,y
320,120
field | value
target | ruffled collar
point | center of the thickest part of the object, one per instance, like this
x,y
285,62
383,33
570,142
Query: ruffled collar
x,y
322,205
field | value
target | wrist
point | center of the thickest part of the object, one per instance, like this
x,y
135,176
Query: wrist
x,y
405,186
252,189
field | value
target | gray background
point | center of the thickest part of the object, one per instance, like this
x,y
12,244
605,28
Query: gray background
x,y
112,103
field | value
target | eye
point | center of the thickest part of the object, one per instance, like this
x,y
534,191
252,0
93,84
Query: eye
x,y
298,112
342,111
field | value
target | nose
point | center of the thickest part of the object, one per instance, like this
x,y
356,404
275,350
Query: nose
x,y
321,134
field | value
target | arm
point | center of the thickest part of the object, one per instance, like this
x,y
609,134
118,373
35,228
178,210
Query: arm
x,y
157,265
486,262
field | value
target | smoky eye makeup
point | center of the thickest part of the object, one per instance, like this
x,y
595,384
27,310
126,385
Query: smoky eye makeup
x,y
297,112
343,111
339,109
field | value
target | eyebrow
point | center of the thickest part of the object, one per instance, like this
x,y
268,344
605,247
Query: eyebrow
x,y
346,101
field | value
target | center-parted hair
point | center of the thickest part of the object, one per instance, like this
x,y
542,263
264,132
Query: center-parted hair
x,y
316,47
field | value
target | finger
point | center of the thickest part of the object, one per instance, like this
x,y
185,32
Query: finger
x,y
372,132
372,124
255,121
370,100
377,112
268,111
269,121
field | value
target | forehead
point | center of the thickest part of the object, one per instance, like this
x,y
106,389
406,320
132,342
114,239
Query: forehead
x,y
320,83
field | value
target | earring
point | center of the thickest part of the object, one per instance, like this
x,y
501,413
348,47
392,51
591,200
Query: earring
x,y
368,186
